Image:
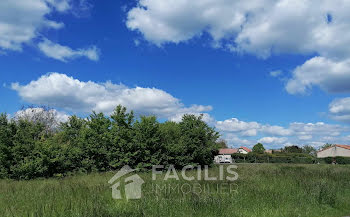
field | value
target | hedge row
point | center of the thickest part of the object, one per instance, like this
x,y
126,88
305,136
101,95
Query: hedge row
x,y
293,158
274,158
337,160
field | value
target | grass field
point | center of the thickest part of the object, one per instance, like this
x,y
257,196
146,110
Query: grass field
x,y
262,190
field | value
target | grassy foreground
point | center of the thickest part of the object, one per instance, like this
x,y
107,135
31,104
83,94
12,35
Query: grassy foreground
x,y
261,190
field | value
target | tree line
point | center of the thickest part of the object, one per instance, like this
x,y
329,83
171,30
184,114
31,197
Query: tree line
x,y
33,147
292,149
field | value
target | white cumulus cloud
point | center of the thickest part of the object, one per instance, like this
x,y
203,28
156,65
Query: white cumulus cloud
x,y
261,28
22,21
236,132
330,75
64,92
235,125
273,140
64,53
339,109
15,31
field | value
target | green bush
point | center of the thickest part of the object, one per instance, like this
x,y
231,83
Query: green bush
x,y
338,160
100,143
295,158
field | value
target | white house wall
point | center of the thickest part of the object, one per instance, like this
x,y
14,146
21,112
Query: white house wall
x,y
334,152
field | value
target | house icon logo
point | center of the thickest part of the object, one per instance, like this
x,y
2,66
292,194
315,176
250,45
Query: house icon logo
x,y
132,185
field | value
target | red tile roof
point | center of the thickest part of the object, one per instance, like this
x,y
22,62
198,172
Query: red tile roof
x,y
340,146
344,146
228,151
246,149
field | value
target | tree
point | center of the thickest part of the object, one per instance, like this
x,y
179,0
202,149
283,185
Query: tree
x,y
45,116
325,146
122,150
96,140
221,143
150,150
308,149
258,148
29,148
70,137
293,149
6,143
170,133
25,162
197,141
71,129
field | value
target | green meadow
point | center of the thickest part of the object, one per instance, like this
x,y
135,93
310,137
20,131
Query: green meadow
x,y
261,190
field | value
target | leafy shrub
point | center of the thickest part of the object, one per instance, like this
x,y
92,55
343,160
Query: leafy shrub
x,y
296,158
100,143
338,160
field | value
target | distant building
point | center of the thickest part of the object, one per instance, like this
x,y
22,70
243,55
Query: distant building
x,y
268,151
272,151
335,151
224,155
244,150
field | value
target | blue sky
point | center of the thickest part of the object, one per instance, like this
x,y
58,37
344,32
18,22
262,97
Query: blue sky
x,y
272,71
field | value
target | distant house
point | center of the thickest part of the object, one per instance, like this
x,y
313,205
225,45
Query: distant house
x,y
244,150
224,155
335,151
268,151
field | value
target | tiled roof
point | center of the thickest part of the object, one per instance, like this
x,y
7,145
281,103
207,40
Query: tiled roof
x,y
228,151
344,146
246,149
340,146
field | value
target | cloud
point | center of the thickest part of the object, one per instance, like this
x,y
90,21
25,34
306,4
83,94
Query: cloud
x,y
64,53
307,137
15,31
35,16
163,21
276,73
235,125
236,132
236,141
60,91
318,129
273,140
250,128
72,95
257,27
339,109
275,130
330,75
262,28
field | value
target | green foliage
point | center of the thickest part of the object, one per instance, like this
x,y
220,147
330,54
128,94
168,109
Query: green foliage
x,y
337,160
258,148
325,146
274,158
100,143
308,149
147,139
221,144
122,149
6,144
197,140
292,149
